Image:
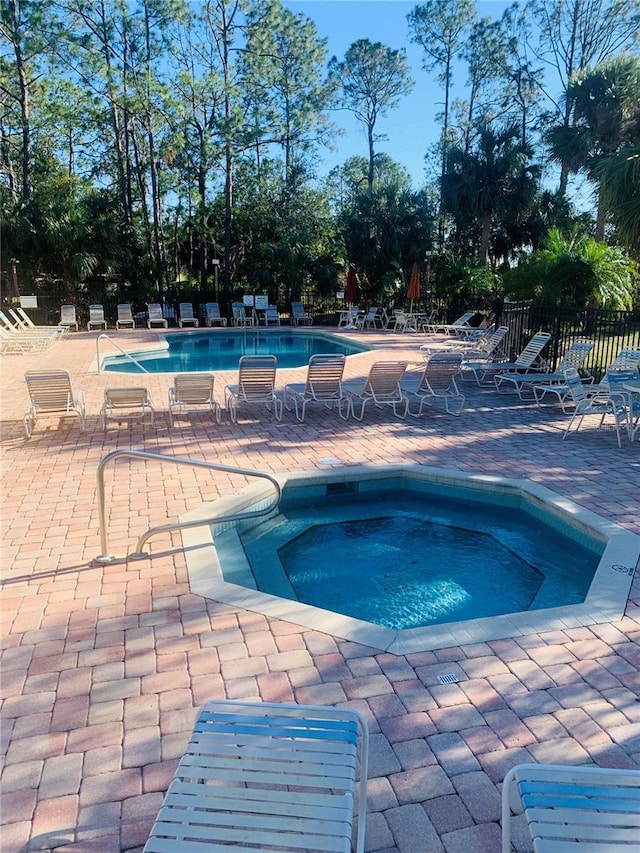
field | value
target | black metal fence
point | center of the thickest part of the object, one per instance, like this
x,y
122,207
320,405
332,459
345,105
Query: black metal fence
x,y
611,331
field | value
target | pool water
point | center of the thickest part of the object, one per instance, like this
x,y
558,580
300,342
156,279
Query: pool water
x,y
199,351
408,559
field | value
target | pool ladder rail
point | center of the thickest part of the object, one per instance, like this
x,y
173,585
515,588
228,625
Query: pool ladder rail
x,y
123,351
139,554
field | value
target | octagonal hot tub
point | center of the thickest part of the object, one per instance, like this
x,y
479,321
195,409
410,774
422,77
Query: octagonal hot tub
x,y
406,558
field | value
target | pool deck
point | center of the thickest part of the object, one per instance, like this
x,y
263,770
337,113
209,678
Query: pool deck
x,y
105,666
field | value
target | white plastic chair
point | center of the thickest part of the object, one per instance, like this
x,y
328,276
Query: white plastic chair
x,y
192,390
126,405
240,316
263,776
437,383
256,386
298,316
595,402
155,315
323,385
125,317
382,387
573,808
51,395
186,316
213,317
68,317
96,317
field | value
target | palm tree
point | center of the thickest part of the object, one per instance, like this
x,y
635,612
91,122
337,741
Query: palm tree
x,y
492,180
604,106
618,176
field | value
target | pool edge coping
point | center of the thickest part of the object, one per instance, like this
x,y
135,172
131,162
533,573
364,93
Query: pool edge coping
x,y
605,602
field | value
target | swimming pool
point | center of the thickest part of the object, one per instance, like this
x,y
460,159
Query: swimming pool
x,y
221,349
219,569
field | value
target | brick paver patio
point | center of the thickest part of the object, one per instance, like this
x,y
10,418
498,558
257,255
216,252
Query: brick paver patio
x,y
104,666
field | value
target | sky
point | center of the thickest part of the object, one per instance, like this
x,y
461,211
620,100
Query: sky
x,y
411,127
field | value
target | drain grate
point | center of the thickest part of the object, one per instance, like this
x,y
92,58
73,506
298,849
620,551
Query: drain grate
x,y
448,678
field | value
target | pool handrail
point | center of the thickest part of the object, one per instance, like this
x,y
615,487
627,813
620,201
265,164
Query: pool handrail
x,y
139,554
124,352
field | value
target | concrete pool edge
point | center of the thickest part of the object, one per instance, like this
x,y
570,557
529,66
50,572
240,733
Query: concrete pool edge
x,y
605,601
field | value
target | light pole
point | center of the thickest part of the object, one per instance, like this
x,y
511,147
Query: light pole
x,y
216,265
427,264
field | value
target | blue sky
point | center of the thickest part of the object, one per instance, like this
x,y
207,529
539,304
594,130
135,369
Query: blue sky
x,y
411,128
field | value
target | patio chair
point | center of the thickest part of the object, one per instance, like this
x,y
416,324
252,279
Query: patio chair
x,y
213,317
240,316
192,389
256,386
187,317
574,808
529,361
323,385
372,319
575,356
23,338
347,319
402,322
382,387
68,316
125,317
26,324
462,323
438,382
298,316
51,395
155,315
595,402
271,316
96,317
126,405
264,776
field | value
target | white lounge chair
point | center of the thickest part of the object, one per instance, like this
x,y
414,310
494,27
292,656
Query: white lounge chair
x,y
529,361
155,316
125,317
575,356
298,315
382,387
271,316
323,385
126,405
256,386
586,808
96,317
240,316
68,317
438,382
26,324
51,395
601,401
461,325
192,389
213,317
187,317
266,777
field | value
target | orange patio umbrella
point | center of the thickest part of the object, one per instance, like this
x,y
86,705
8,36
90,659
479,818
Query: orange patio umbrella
x,y
414,284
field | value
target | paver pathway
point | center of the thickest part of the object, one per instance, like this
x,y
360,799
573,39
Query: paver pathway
x,y
104,666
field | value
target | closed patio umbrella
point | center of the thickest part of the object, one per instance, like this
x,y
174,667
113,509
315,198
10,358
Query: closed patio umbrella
x,y
351,285
414,285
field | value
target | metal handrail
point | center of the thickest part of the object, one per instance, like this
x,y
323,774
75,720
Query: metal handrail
x,y
124,352
139,554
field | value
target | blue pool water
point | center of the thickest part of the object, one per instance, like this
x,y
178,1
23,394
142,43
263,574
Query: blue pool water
x,y
193,352
404,559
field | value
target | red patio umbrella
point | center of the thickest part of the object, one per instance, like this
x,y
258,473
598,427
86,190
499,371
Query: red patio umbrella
x,y
351,285
414,284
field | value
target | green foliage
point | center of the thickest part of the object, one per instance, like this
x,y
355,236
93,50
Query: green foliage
x,y
575,269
